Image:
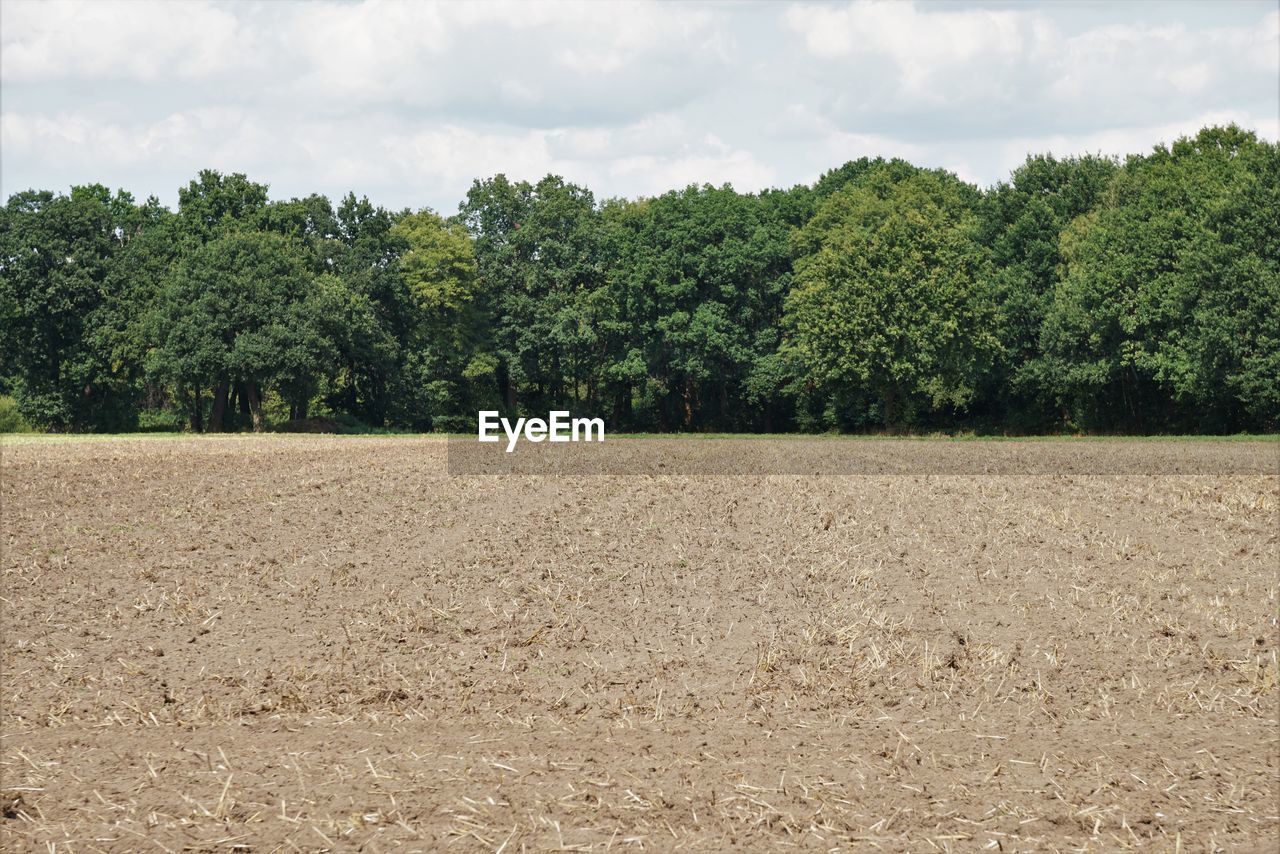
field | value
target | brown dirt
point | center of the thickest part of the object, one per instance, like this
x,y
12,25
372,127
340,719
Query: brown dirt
x,y
301,643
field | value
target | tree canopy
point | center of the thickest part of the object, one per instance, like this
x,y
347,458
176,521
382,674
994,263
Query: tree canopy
x,y
889,306
1084,293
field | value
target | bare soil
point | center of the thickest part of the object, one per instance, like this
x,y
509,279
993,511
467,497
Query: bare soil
x,y
317,643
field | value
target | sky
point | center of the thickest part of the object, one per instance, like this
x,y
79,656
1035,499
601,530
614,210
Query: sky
x,y
408,102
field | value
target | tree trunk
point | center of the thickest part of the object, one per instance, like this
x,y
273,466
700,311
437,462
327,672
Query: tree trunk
x,y
892,409
622,408
255,405
557,382
197,410
219,407
377,402
507,388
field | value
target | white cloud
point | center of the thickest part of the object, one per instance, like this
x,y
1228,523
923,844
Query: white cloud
x,y
1024,64
1129,140
925,48
906,33
637,157
440,54
142,41
409,102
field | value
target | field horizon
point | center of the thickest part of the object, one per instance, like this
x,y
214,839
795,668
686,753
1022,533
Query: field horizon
x,y
37,436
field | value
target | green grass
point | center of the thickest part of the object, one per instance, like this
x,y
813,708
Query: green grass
x,y
58,438
962,437
29,438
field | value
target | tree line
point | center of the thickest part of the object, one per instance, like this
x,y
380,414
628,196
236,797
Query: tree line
x,y
1083,294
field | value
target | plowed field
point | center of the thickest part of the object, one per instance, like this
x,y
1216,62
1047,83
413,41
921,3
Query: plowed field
x,y
287,643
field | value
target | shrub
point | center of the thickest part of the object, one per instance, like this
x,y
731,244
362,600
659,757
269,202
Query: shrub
x,y
11,421
160,421
453,424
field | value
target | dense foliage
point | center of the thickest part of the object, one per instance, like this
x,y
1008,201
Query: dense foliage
x,y
1084,294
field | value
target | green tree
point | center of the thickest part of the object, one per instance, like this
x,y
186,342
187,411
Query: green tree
x,y
698,278
371,384
538,257
241,311
121,334
1168,311
56,259
1080,292
888,300
1022,221
212,203
854,172
450,371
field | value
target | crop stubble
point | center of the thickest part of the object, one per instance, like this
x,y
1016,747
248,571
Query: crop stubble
x,y
298,642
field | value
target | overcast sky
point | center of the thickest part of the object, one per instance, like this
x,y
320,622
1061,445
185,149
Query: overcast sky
x,y
408,102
